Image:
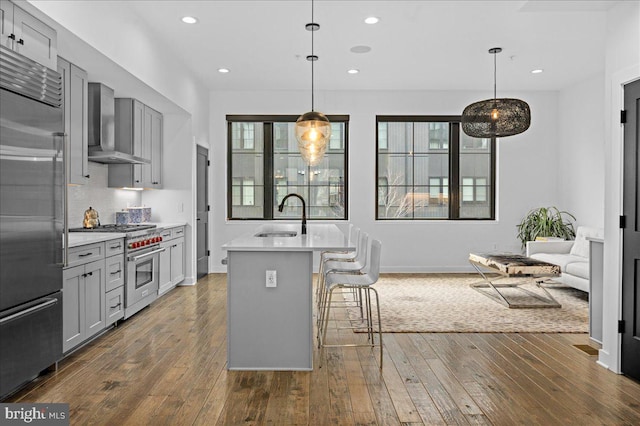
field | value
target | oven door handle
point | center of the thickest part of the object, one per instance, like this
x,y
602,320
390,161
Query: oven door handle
x,y
136,258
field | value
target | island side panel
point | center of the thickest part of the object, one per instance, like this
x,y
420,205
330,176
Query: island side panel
x,y
269,328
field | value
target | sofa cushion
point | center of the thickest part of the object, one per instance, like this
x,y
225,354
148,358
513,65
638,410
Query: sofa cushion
x,y
581,244
560,259
579,269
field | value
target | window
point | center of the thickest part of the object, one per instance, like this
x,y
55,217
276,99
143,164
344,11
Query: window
x,y
264,165
474,190
427,168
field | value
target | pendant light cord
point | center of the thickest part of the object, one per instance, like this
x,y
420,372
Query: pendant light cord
x,y
495,84
312,57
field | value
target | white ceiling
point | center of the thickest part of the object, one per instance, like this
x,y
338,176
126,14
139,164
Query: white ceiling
x,y
430,45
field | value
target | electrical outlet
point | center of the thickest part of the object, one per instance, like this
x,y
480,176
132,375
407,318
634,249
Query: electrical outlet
x,y
271,279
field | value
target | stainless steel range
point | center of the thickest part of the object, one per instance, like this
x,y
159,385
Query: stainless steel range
x,y
142,249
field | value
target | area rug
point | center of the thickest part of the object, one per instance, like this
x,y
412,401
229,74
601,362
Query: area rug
x,y
439,303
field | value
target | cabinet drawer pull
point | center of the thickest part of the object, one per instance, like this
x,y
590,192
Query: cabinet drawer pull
x,y
87,274
12,36
116,247
116,272
116,306
175,245
85,255
21,41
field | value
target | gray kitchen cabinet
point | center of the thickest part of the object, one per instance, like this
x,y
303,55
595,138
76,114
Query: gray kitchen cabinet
x,y
24,33
75,97
177,261
115,305
83,307
164,268
171,271
114,263
139,126
129,132
152,173
114,297
85,254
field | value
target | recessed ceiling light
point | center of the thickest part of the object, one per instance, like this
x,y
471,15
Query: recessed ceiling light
x,y
223,70
538,71
353,71
372,20
189,20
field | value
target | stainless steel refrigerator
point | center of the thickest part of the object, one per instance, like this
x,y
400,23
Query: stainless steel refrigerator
x,y
32,204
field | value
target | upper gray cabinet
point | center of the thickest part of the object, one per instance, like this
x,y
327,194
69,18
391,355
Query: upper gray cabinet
x,y
152,143
141,127
75,90
23,33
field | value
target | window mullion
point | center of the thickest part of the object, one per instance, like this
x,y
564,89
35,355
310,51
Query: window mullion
x,y
268,179
229,171
454,171
412,154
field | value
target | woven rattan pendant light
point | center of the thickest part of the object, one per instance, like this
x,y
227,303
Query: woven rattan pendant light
x,y
313,128
497,117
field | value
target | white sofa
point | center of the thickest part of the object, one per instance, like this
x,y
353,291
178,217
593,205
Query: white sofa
x,y
572,256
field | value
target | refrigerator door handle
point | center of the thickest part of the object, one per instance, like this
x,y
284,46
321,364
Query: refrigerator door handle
x,y
20,314
65,196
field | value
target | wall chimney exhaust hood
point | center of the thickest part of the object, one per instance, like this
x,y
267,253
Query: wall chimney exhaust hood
x,y
102,143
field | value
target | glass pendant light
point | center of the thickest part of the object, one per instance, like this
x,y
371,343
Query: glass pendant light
x,y
496,117
313,128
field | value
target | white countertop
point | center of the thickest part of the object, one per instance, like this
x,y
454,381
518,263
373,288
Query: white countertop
x,y
82,238
319,237
165,225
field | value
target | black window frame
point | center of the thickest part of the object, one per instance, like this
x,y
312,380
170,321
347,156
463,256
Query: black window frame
x,y
455,184
268,172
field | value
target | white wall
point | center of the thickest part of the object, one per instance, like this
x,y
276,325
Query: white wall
x,y
622,65
527,172
106,201
581,146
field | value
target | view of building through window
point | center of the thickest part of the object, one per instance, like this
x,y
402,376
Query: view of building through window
x,y
428,168
265,165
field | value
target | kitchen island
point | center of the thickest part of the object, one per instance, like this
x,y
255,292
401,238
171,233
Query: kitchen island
x,y
269,295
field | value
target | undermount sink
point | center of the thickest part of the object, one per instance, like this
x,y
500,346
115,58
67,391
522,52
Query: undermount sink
x,y
277,234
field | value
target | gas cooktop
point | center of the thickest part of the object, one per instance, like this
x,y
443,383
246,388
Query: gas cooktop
x,y
115,228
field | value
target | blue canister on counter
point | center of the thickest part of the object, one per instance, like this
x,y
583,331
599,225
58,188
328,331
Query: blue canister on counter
x,y
122,218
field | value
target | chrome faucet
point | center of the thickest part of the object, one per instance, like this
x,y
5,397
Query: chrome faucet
x,y
304,210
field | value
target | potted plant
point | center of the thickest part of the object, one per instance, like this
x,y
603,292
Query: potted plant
x,y
546,222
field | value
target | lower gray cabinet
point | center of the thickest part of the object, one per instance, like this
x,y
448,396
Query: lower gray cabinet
x,y
114,298
171,259
164,271
177,261
115,305
83,303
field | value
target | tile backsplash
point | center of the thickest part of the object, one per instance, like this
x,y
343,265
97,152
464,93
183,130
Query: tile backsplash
x,y
96,194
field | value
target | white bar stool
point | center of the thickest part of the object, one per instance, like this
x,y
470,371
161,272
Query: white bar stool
x,y
363,282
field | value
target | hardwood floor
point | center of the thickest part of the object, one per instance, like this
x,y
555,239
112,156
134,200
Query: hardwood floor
x,y
167,366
